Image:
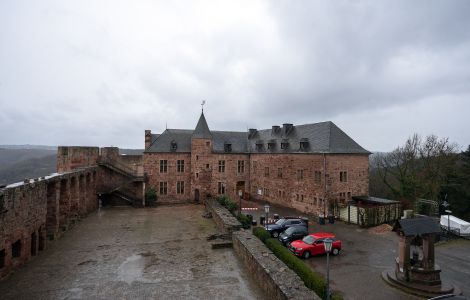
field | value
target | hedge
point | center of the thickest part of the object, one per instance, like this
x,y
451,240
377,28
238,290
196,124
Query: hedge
x,y
232,206
313,280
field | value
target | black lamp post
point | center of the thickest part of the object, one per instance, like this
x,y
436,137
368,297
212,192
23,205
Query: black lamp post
x,y
266,211
240,194
446,205
327,243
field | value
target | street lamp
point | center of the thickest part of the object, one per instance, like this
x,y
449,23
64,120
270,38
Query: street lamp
x,y
448,220
327,243
240,194
266,211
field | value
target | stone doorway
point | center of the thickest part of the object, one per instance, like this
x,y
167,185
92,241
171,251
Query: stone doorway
x,y
240,187
196,195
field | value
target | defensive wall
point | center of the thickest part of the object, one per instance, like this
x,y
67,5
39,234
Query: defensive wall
x,y
35,211
38,210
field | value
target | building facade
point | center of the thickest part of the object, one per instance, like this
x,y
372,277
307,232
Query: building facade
x,y
314,168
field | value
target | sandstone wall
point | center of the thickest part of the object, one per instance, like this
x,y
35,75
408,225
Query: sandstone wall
x,y
272,275
70,158
223,219
171,176
289,179
32,211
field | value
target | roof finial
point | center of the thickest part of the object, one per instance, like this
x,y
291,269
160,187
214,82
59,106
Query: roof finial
x,y
202,105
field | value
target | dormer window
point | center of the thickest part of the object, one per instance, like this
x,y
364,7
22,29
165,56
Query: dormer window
x,y
173,146
303,144
271,144
228,147
259,145
285,144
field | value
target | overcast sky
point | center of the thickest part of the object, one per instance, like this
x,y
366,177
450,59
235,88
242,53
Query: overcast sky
x,y
101,72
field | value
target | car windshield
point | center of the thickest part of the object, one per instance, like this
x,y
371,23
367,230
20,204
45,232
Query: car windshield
x,y
280,221
290,230
308,240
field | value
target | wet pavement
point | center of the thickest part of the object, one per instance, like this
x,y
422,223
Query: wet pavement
x,y
355,273
127,253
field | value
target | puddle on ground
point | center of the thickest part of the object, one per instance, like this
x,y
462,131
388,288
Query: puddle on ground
x,y
132,269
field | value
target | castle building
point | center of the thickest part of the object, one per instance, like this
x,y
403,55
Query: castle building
x,y
314,168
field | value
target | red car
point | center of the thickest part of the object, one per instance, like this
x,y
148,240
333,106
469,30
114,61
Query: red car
x,y
312,244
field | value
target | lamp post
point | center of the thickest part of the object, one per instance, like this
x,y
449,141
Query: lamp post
x,y
266,211
327,243
240,194
448,220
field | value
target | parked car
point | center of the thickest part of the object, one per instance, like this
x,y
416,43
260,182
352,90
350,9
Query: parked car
x,y
282,224
313,245
293,233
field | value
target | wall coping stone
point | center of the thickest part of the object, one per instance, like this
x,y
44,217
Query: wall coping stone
x,y
273,276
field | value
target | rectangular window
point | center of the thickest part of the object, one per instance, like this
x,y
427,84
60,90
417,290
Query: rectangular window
x,y
221,188
163,166
266,172
16,249
279,172
343,176
180,166
302,198
317,176
180,187
207,166
280,193
241,166
266,192
221,166
349,196
163,188
297,197
300,174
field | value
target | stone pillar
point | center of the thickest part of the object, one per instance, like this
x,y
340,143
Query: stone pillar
x,y
403,262
52,217
428,251
82,195
88,194
64,204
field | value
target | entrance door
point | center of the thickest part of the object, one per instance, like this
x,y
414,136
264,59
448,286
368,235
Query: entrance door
x,y
196,195
241,187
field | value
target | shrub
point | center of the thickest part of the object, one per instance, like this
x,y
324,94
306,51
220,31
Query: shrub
x,y
227,203
313,280
245,220
150,197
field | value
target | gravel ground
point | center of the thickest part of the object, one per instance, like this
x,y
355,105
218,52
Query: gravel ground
x,y
127,253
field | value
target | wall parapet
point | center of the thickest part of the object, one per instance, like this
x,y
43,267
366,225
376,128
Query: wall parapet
x,y
37,209
271,274
224,220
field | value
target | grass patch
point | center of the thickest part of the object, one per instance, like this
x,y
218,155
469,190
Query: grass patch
x,y
313,280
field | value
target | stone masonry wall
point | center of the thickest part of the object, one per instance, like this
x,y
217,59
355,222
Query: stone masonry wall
x,y
32,211
70,158
272,275
289,179
171,176
223,219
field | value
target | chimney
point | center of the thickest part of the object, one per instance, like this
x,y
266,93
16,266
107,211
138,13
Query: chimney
x,y
251,132
287,128
275,129
148,138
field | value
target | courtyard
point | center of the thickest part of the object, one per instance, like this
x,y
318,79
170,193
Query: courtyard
x,y
127,253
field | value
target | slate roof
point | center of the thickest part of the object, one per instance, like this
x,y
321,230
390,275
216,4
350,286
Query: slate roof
x,y
417,226
324,137
202,129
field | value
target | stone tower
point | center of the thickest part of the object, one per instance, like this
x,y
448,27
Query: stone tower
x,y
201,160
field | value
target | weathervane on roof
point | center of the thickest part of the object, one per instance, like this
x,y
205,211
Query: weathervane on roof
x,y
202,105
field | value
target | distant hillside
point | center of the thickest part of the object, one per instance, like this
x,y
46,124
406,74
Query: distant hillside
x,y
29,168
11,156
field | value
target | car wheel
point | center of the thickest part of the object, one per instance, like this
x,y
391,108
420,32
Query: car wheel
x,y
306,254
335,251
275,234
